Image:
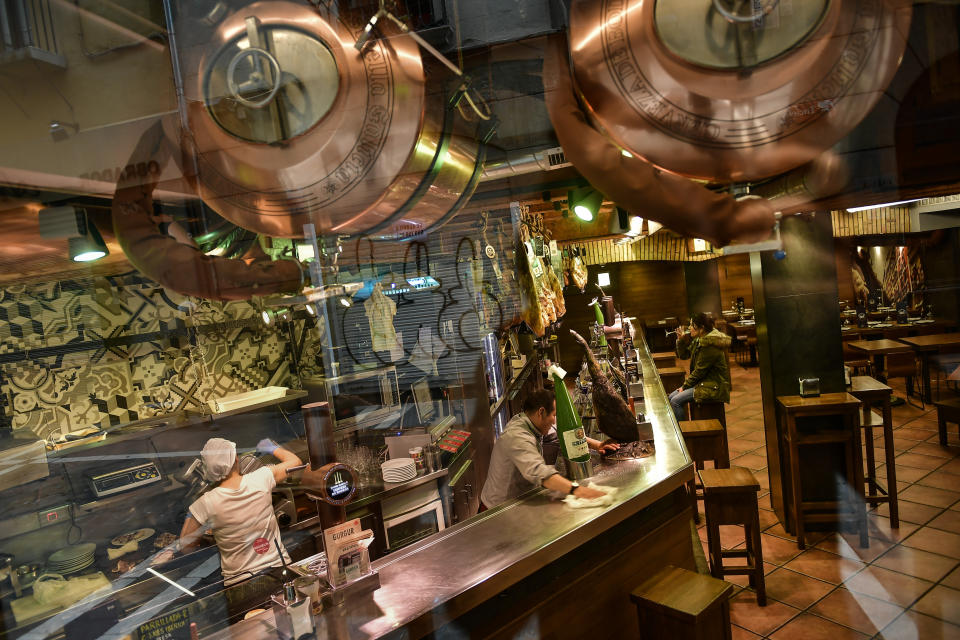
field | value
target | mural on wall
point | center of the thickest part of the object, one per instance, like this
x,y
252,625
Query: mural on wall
x,y
897,272
105,351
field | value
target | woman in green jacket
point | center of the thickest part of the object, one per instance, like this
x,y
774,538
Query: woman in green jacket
x,y
709,379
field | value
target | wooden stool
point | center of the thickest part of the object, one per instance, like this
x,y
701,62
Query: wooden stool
x,y
813,411
672,378
708,411
947,411
664,359
705,440
676,604
730,497
872,392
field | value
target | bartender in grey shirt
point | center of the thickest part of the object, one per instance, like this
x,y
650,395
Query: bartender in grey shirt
x,y
517,464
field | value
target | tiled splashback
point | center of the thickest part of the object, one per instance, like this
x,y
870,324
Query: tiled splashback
x,y
93,352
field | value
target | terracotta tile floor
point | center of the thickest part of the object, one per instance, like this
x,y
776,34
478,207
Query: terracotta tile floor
x,y
906,586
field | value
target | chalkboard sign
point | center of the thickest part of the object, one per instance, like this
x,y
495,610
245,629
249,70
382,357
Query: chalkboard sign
x,y
173,626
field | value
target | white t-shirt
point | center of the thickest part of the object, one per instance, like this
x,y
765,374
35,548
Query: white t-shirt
x,y
244,525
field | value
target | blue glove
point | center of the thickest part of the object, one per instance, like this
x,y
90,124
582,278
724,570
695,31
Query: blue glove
x,y
267,446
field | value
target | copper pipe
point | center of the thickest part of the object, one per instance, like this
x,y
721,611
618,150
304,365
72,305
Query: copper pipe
x,y
177,266
678,203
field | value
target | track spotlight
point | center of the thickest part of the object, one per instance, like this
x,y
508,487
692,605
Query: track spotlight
x,y
88,247
585,203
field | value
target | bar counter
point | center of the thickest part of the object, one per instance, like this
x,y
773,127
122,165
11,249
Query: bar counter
x,y
534,563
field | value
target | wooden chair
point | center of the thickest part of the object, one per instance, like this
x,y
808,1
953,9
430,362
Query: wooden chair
x,y
730,497
902,364
853,358
671,377
676,604
664,359
708,411
705,440
948,411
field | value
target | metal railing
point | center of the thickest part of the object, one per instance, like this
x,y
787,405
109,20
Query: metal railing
x,y
27,24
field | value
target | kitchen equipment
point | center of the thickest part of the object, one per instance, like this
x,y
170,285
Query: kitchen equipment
x,y
358,400
412,516
124,479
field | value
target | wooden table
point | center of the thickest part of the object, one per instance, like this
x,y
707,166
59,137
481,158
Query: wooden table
x,y
877,349
925,346
852,508
871,392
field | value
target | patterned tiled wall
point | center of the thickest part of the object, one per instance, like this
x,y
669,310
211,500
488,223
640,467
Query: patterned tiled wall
x,y
79,353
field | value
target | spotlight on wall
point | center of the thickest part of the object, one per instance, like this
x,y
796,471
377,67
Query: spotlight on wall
x,y
60,131
585,203
88,247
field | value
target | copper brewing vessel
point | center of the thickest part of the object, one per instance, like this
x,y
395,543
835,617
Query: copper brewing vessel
x,y
698,93
293,125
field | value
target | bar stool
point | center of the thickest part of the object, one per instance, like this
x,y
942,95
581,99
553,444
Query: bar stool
x,y
948,411
872,392
708,411
676,604
664,359
844,407
671,378
705,440
730,497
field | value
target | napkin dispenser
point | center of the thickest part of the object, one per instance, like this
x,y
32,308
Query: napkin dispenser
x,y
809,387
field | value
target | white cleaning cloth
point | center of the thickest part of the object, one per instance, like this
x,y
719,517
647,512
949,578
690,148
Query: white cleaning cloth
x,y
585,503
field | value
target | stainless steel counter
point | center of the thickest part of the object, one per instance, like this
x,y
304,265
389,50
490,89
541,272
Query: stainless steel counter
x,y
441,578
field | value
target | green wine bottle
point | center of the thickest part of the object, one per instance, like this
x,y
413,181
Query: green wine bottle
x,y
599,315
573,439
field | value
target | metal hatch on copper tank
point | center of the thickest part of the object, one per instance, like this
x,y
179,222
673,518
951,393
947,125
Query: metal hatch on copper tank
x,y
731,91
293,125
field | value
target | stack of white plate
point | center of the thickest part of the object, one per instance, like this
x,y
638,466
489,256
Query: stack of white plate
x,y
71,559
399,470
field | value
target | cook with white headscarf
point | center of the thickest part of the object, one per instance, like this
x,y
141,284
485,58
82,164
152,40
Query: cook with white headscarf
x,y
239,510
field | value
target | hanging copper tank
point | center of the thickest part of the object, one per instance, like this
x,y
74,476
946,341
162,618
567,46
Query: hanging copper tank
x,y
730,91
293,125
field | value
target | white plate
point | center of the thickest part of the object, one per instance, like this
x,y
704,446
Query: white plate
x,y
72,553
398,463
138,535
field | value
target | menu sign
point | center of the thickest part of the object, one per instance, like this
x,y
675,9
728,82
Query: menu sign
x,y
173,626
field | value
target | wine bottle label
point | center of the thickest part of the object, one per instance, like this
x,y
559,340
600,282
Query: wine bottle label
x,y
575,444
